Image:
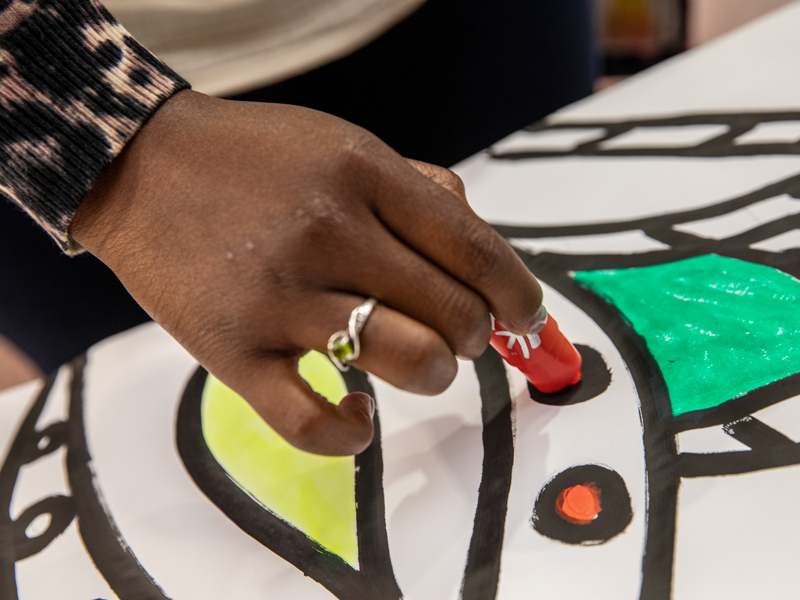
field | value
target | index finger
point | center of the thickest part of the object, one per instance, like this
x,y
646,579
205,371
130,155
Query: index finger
x,y
432,219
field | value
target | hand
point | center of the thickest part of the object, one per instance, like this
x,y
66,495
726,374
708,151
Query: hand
x,y
250,231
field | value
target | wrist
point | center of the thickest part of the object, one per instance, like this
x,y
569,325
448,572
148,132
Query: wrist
x,y
111,214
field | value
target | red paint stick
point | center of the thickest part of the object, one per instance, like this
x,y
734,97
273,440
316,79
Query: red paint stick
x,y
546,358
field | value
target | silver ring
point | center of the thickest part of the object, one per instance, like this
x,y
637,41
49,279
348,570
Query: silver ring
x,y
345,346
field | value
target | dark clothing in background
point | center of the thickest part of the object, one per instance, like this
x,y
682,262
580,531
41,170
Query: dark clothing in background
x,y
445,83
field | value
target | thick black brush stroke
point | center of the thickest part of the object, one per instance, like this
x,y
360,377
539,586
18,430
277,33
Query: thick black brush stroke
x,y
29,445
375,580
733,410
482,573
103,541
719,146
756,434
8,479
737,463
595,379
375,563
660,227
61,510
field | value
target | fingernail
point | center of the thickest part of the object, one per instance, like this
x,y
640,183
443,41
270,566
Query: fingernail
x,y
541,319
371,407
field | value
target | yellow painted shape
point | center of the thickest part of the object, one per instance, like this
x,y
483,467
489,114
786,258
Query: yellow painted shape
x,y
316,494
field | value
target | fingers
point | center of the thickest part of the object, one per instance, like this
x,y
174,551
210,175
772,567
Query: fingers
x,y
301,416
394,347
411,284
429,213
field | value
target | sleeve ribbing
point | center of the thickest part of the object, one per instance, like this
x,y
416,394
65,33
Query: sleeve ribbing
x,y
74,88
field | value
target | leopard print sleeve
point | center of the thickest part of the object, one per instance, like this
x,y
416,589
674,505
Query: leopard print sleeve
x,y
74,88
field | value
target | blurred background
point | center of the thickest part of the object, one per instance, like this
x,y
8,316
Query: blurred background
x,y
635,34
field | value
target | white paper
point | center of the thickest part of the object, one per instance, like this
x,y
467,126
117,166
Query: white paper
x,y
682,136
774,132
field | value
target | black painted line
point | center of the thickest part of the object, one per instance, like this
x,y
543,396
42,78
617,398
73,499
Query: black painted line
x,y
736,409
736,463
9,473
375,563
749,119
766,230
756,434
720,146
61,510
595,379
790,185
103,541
482,573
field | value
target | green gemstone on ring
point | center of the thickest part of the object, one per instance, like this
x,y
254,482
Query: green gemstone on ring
x,y
342,348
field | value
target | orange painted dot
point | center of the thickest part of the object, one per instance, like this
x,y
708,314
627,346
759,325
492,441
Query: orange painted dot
x,y
579,504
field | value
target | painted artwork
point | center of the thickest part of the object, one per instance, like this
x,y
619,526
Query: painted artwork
x,y
668,248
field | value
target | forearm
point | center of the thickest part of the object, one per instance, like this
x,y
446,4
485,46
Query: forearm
x,y
74,88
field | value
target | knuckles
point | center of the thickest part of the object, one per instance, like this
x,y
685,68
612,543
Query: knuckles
x,y
483,255
453,182
429,366
471,326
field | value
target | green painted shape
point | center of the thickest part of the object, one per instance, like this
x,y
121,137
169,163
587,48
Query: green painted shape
x,y
316,494
717,327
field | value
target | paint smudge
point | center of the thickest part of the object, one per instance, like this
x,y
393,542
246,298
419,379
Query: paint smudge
x,y
579,504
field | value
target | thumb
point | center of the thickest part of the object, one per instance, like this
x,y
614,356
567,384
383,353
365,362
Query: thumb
x,y
305,418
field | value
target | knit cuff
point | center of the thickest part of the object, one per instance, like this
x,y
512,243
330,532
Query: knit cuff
x,y
74,88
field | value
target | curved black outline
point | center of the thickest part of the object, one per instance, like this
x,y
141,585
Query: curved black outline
x,y
615,506
103,541
61,510
595,379
374,579
756,434
23,450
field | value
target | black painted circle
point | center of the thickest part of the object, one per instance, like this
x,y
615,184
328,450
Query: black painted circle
x,y
595,379
615,504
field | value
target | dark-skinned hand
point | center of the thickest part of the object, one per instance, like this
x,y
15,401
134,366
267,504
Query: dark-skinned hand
x,y
250,232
